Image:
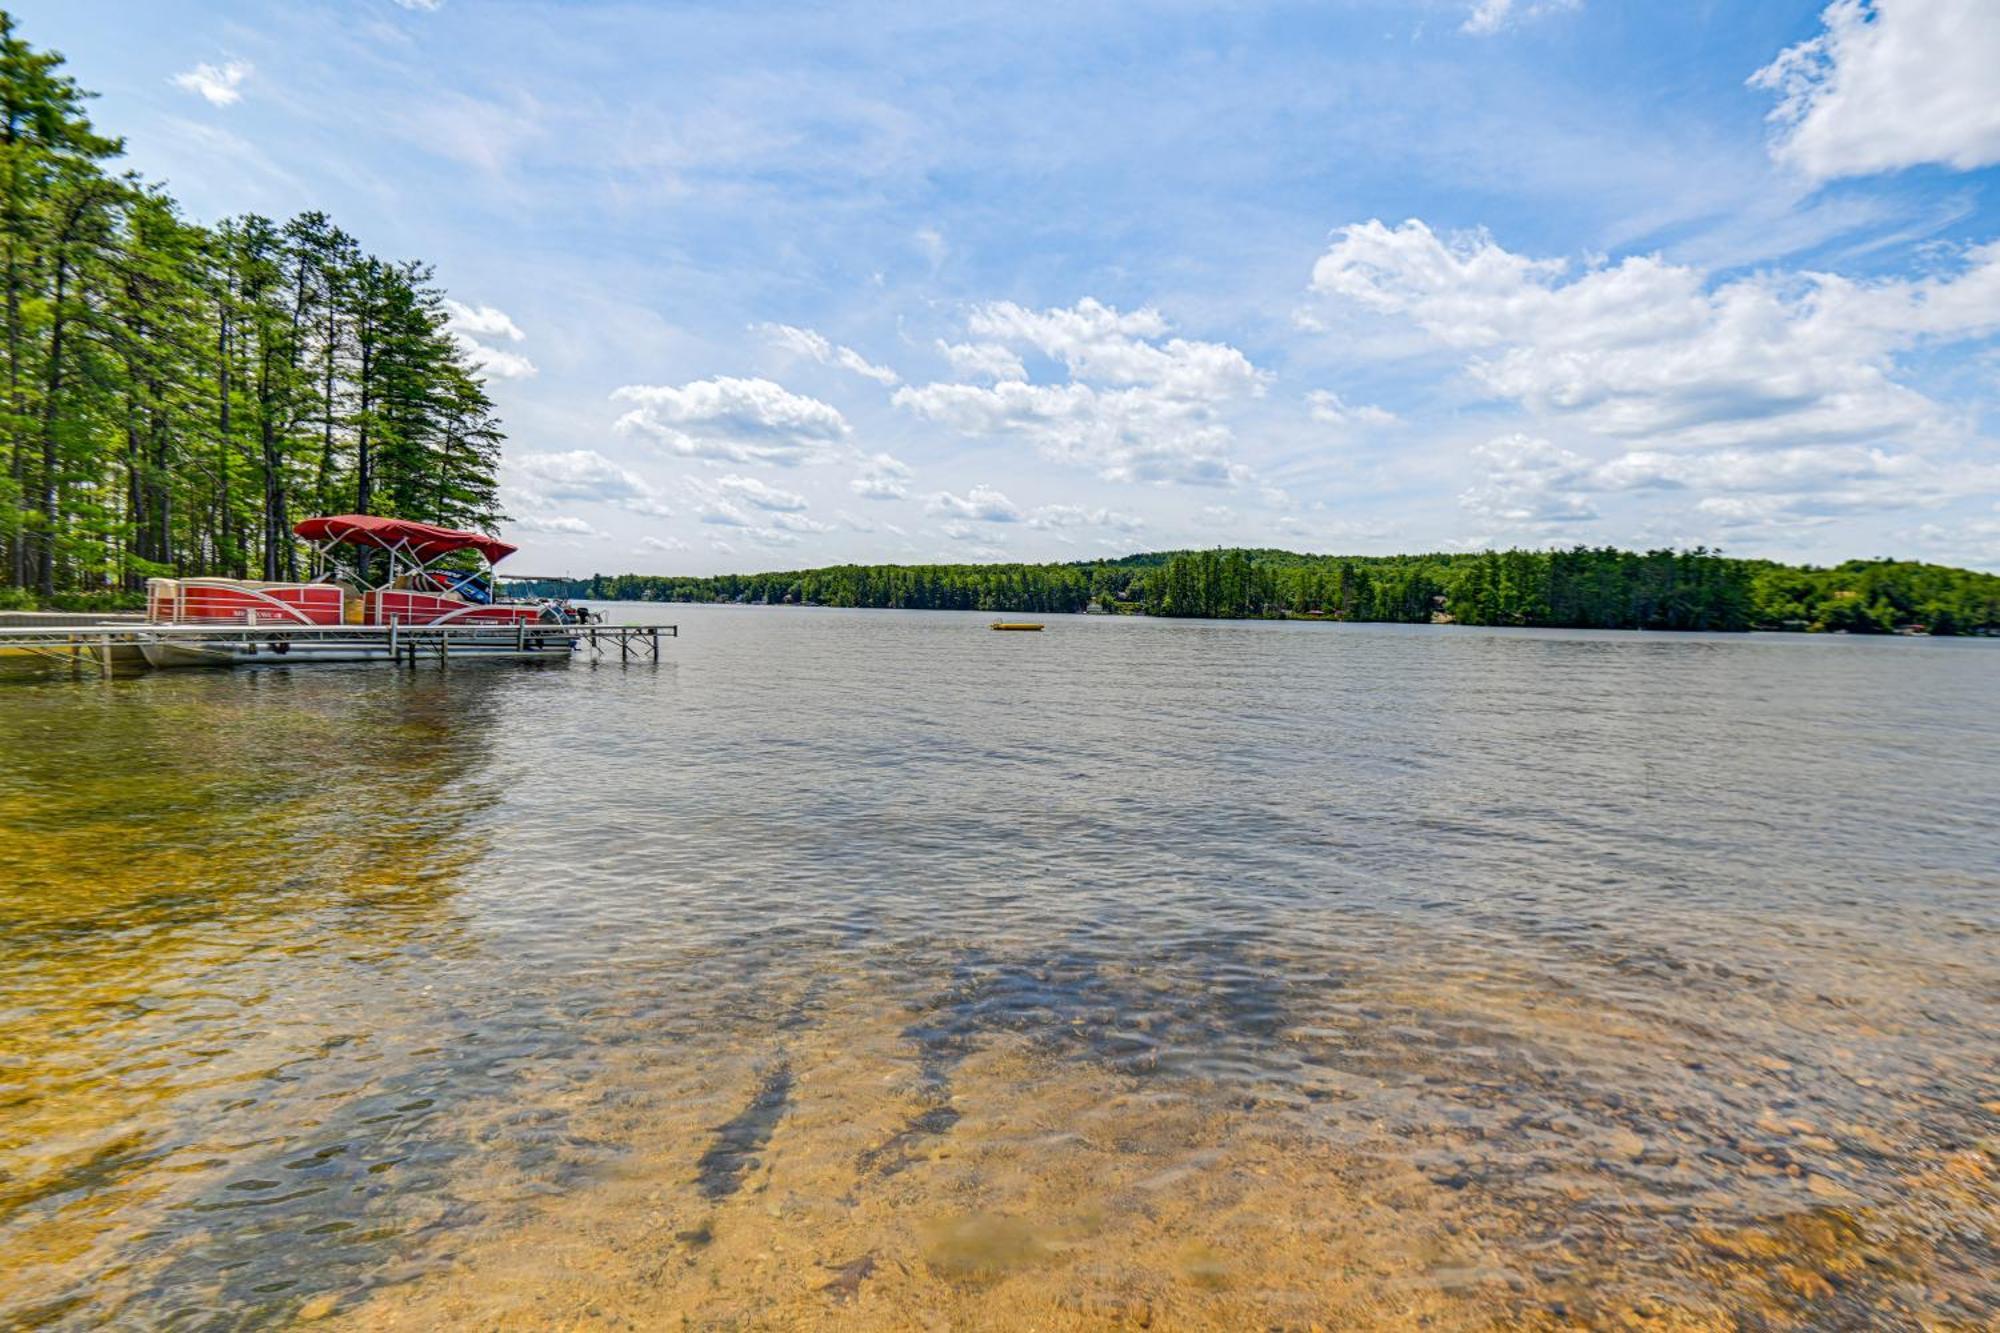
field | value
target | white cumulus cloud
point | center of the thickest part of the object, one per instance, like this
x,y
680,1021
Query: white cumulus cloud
x,y
555,523
1889,84
732,420
1101,345
1080,516
752,491
1648,349
1769,401
475,328
1531,487
982,361
1138,404
500,363
585,474
726,513
219,85
483,321
758,513
882,477
981,502
1528,487
979,541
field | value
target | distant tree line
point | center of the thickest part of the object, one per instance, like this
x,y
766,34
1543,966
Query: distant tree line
x,y
1583,587
1876,597
1604,588
1053,588
175,396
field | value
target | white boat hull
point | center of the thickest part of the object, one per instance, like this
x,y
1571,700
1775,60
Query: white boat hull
x,y
179,652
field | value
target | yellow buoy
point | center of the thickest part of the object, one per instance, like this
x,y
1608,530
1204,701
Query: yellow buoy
x,y
1014,624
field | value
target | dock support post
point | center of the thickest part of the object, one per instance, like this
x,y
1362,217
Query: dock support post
x,y
104,646
392,641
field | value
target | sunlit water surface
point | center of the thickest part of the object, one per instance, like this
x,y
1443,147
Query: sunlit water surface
x,y
874,967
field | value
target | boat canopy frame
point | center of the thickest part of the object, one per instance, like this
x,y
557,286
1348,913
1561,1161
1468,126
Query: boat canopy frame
x,y
412,548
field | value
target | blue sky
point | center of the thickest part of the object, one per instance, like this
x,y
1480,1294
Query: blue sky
x,y
774,285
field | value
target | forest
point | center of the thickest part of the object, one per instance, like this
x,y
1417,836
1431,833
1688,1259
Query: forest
x,y
177,394
1582,587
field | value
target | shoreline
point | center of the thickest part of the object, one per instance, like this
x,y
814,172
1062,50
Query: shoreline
x,y
1776,630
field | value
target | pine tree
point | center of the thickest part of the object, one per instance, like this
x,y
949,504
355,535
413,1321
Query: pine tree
x,y
175,396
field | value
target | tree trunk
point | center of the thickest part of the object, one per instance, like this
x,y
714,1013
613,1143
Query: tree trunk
x,y
273,462
274,498
222,544
45,555
135,494
301,295
17,463
326,407
160,546
364,466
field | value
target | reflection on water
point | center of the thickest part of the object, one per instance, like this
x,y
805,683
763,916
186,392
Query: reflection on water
x,y
871,965
214,901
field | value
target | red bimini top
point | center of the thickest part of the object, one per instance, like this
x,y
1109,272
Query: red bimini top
x,y
424,541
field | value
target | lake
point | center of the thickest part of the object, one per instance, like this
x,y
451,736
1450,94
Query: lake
x,y
858,967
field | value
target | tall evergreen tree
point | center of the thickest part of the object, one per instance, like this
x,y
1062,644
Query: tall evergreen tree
x,y
175,396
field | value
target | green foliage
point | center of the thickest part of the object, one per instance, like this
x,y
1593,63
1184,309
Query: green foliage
x,y
1603,589
1583,588
107,599
173,397
1876,597
1050,588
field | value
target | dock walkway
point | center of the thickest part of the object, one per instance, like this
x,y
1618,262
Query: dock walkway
x,y
109,645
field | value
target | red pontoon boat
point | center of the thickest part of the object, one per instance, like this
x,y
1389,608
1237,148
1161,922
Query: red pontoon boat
x,y
357,611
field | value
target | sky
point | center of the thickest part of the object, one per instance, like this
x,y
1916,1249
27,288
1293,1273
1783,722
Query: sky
x,y
766,286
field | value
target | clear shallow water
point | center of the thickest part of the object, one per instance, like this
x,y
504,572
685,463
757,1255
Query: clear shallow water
x,y
873,965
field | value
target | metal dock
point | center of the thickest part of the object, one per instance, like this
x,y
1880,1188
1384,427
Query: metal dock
x,y
111,646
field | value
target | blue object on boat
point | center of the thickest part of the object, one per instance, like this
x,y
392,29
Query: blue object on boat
x,y
466,585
